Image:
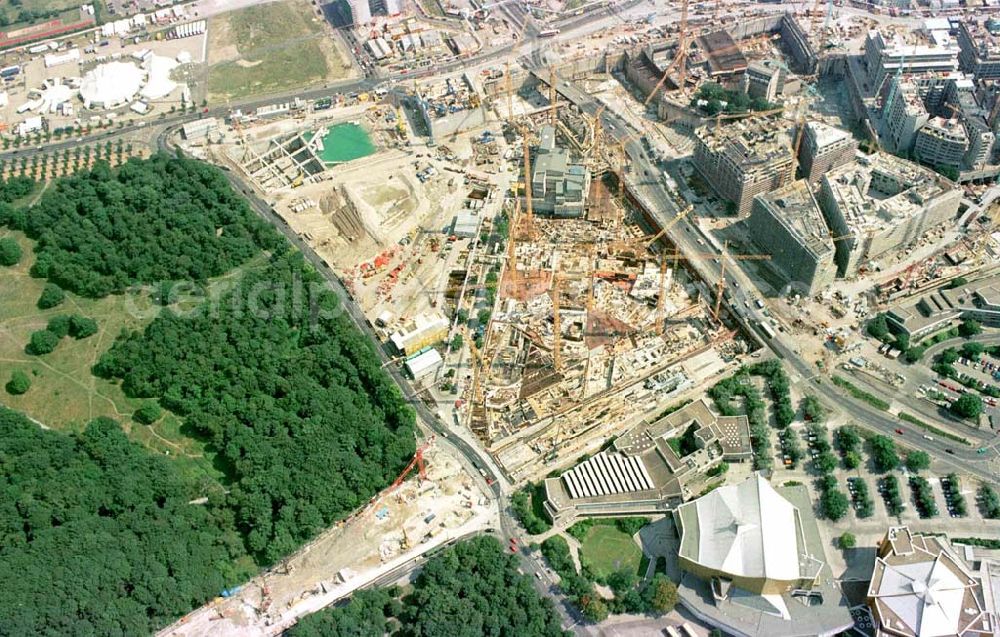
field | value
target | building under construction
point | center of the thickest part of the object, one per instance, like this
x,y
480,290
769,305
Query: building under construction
x,y
595,323
879,204
743,160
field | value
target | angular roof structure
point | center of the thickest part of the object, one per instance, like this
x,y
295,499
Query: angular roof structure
x,y
744,530
919,589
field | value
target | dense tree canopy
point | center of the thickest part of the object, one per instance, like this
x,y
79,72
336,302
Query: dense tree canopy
x,y
968,406
97,536
471,589
52,295
10,251
160,219
288,391
883,452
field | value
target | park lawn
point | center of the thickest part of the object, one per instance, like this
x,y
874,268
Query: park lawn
x,y
277,46
607,550
64,394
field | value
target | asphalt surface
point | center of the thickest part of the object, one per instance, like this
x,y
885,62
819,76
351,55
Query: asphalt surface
x,y
641,179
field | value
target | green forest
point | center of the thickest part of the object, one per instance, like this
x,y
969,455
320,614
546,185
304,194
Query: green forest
x,y
470,589
303,424
306,423
161,219
97,536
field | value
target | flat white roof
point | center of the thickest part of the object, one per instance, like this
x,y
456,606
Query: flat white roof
x,y
423,362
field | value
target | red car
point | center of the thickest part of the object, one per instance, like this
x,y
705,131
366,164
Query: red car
x,y
899,431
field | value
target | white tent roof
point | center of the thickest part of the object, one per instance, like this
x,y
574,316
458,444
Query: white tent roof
x,y
748,530
159,85
111,84
927,596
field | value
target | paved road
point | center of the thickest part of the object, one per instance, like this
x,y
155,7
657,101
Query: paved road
x,y
641,180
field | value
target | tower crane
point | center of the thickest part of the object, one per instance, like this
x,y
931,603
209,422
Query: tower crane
x,y
680,58
556,323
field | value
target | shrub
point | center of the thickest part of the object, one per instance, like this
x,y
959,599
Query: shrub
x,y
147,414
42,342
52,295
18,384
10,252
847,540
59,325
81,326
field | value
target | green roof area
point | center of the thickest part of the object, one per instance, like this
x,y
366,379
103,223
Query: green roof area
x,y
344,142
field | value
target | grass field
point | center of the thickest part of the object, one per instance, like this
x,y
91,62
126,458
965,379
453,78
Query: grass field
x,y
18,13
64,394
606,550
270,48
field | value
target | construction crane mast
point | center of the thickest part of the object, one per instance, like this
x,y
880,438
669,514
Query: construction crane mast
x,y
553,112
529,213
557,362
680,57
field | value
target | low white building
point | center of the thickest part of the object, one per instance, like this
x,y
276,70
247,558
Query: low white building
x,y
424,364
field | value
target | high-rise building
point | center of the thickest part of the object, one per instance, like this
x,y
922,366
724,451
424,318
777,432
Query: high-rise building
x,y
360,11
941,143
979,51
883,59
823,148
789,225
903,114
879,204
744,160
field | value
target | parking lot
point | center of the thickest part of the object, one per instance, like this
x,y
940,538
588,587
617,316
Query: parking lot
x,y
878,500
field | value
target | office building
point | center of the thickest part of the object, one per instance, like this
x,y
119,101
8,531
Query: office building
x,y
941,143
823,148
884,58
558,186
903,115
979,50
788,224
743,160
921,588
764,79
934,311
879,204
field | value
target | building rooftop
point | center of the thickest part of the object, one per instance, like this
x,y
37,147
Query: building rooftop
x,y
881,189
820,611
751,141
643,467
827,135
944,128
920,589
986,44
746,530
795,207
